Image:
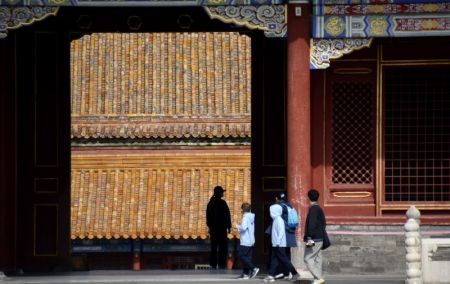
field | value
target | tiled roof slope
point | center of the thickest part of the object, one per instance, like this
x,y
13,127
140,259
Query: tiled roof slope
x,y
161,85
153,193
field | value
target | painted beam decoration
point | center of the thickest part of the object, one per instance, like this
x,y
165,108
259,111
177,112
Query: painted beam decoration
x,y
381,9
271,19
381,26
380,18
366,2
138,3
323,50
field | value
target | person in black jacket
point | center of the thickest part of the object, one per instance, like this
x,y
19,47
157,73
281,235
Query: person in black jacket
x,y
218,221
314,235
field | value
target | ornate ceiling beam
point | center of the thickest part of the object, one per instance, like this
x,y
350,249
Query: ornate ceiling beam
x,y
13,17
135,3
381,9
399,25
271,19
323,50
366,2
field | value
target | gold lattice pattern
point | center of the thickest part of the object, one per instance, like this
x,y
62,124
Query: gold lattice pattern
x,y
154,194
352,136
143,84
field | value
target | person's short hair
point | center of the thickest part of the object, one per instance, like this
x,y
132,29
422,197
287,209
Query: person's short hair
x,y
246,207
281,196
313,195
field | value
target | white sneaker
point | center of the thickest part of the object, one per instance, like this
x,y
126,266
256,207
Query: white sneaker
x,y
319,281
254,272
269,279
279,276
243,276
288,277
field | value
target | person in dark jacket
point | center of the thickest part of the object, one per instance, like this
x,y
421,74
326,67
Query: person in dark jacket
x,y
314,235
218,221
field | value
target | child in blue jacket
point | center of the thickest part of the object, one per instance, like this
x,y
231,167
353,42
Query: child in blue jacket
x,y
247,240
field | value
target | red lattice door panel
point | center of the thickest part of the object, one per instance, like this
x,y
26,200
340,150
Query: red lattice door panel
x,y
350,108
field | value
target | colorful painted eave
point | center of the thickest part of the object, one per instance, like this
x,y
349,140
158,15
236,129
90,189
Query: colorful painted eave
x,y
139,3
335,21
366,2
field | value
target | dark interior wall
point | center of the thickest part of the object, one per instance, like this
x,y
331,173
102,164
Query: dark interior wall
x,y
43,146
7,155
268,133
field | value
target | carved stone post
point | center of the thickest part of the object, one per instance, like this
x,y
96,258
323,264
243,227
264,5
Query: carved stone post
x,y
413,247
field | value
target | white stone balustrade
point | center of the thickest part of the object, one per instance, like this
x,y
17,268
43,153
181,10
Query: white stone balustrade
x,y
436,260
413,247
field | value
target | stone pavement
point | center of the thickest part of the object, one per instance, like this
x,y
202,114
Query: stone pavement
x,y
182,276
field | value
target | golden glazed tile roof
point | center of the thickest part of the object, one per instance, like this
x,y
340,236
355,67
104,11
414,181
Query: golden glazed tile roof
x,y
161,85
157,127
153,193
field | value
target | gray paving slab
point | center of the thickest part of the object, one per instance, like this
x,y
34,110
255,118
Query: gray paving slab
x,y
180,276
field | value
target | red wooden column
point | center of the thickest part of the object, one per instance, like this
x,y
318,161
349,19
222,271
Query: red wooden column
x,y
298,118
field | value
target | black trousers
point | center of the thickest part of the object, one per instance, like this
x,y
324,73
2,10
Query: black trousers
x,y
219,248
245,255
280,268
279,257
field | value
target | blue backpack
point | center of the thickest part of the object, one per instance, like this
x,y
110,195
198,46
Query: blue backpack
x,y
291,218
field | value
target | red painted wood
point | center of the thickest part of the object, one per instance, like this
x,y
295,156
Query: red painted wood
x,y
298,111
341,210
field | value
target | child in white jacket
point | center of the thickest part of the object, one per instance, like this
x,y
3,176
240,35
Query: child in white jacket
x,y
247,240
279,246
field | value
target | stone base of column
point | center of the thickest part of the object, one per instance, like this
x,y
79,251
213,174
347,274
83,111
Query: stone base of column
x,y
297,261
